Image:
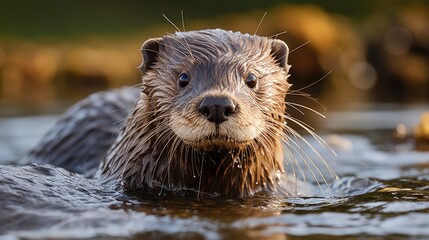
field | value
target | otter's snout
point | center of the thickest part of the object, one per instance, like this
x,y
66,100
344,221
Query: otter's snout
x,y
216,109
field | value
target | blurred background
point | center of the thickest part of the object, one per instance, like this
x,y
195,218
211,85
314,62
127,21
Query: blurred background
x,y
53,53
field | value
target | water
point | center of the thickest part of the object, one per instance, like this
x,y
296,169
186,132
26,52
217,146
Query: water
x,y
383,193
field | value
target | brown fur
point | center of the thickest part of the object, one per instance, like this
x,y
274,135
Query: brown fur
x,y
166,144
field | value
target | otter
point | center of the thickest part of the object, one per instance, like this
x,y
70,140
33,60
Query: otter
x,y
209,118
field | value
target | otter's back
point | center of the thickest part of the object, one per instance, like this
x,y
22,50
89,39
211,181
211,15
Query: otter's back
x,y
82,136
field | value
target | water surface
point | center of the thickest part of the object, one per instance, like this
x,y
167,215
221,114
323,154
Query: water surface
x,y
383,192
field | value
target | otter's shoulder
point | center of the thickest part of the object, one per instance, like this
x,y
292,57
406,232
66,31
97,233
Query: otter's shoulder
x,y
79,140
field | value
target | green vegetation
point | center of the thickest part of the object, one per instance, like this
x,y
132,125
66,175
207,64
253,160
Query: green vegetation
x,y
65,19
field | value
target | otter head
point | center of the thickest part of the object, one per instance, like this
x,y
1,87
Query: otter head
x,y
216,89
210,116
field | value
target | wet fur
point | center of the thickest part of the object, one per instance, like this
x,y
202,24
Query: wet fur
x,y
149,154
166,145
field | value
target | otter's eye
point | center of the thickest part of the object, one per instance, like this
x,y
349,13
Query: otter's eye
x,y
251,80
183,80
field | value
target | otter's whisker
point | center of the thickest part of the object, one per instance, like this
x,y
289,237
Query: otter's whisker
x,y
183,21
319,156
309,129
306,96
260,23
312,84
295,105
174,25
200,180
186,42
306,159
292,166
296,149
300,46
296,108
292,149
278,34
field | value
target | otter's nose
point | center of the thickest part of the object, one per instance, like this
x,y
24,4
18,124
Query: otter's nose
x,y
216,109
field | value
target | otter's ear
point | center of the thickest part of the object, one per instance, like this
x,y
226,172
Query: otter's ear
x,y
280,52
150,51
